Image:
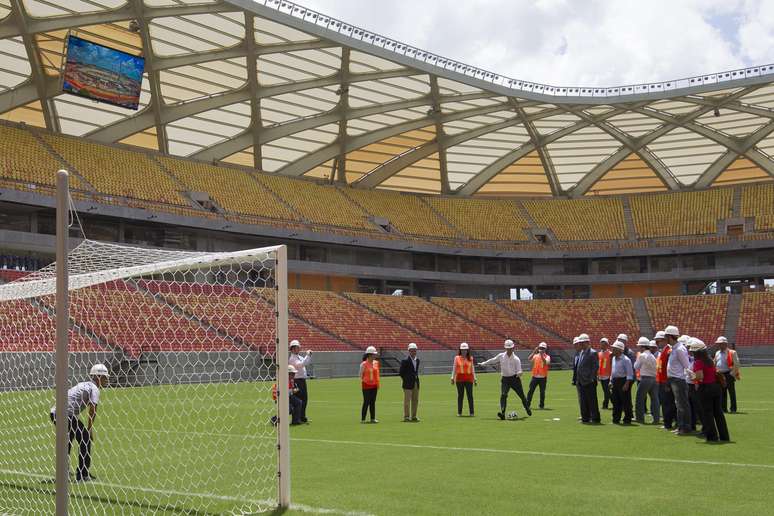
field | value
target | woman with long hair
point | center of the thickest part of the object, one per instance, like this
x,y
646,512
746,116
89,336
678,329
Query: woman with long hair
x,y
710,393
464,377
369,381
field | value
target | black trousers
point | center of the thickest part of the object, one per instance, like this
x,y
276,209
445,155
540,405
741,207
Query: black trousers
x,y
464,388
76,430
303,395
668,407
506,384
534,383
605,392
369,403
713,419
588,403
697,414
729,392
296,405
622,401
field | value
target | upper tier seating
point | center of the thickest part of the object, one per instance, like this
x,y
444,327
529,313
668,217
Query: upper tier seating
x,y
483,219
488,315
677,214
352,322
580,219
758,202
24,158
703,317
756,320
117,171
234,190
431,320
570,317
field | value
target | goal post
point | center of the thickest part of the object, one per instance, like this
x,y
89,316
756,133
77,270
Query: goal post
x,y
193,343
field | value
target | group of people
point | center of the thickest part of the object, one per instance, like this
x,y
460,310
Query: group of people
x,y
674,373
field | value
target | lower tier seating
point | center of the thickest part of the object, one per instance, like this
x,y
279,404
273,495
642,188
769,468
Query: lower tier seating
x,y
703,317
756,320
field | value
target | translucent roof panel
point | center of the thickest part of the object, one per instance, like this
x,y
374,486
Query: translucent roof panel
x,y
191,82
302,104
178,35
762,97
360,62
283,151
14,66
366,159
449,87
630,175
385,91
742,170
146,139
270,33
525,176
578,153
244,157
48,8
192,134
733,123
172,3
301,65
634,124
423,176
30,114
672,107
686,153
551,124
362,125
5,9
452,106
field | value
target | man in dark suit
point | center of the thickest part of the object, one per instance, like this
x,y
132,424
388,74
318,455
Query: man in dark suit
x,y
578,348
586,379
409,374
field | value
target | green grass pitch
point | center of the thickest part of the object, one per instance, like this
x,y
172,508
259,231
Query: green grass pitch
x,y
544,464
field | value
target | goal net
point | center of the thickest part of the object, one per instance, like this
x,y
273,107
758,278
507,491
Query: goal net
x,y
190,342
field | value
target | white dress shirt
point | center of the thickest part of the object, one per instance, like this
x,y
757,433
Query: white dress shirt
x,y
79,396
721,361
678,362
646,364
300,364
509,365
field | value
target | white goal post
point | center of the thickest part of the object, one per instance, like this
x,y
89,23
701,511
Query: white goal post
x,y
193,343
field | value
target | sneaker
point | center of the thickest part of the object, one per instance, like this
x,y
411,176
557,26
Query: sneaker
x,y
501,416
459,415
374,421
529,411
87,478
406,419
415,419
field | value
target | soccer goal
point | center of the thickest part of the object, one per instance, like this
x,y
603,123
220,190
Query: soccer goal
x,y
192,343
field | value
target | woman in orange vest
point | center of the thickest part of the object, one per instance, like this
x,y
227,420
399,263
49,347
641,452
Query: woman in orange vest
x,y
603,373
541,361
464,376
369,380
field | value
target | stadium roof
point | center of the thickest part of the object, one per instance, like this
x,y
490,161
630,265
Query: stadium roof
x,y
273,85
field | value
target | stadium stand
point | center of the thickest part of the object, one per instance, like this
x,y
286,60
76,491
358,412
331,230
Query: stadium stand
x,y
580,219
570,317
483,219
37,329
487,314
703,317
23,158
432,320
352,322
758,202
678,214
755,320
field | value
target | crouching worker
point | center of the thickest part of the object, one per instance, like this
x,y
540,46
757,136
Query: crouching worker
x,y
295,401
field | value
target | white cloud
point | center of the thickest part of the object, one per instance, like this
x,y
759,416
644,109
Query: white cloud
x,y
570,42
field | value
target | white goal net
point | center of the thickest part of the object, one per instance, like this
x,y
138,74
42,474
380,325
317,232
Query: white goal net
x,y
190,344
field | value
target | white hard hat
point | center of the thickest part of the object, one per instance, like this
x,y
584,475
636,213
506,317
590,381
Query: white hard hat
x,y
643,341
685,339
604,339
98,370
696,344
542,345
672,330
464,345
294,342
575,340
583,337
291,369
721,340
653,344
619,345
370,350
508,344
660,335
622,337
412,346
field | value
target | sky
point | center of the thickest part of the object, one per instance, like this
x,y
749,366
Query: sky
x,y
576,42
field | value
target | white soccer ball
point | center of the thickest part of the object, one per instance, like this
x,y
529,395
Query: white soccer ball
x,y
512,415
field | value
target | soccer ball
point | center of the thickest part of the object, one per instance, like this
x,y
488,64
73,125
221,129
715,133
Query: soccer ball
x,y
513,415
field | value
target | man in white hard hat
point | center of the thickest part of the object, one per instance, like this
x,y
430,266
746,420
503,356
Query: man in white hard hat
x,y
294,400
576,345
727,363
629,352
603,373
647,366
541,362
586,378
82,395
677,365
621,379
299,362
510,371
409,375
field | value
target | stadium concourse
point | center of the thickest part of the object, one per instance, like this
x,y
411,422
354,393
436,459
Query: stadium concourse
x,y
421,200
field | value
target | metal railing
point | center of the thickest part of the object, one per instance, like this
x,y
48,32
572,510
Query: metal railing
x,y
398,47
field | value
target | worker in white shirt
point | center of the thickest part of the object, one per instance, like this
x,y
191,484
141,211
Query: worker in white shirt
x,y
299,362
676,366
510,370
84,394
646,365
727,363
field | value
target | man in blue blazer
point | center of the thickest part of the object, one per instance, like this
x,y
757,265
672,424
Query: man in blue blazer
x,y
409,374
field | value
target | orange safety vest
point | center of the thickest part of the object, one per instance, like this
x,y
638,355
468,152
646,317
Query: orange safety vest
x,y
274,389
637,372
540,365
605,367
370,377
730,353
463,369
661,365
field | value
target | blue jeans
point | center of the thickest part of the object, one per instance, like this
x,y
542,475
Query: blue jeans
x,y
680,390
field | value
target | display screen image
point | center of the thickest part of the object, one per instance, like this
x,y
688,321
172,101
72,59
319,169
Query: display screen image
x,y
101,73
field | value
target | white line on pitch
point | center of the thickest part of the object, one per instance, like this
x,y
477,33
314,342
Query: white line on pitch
x,y
188,494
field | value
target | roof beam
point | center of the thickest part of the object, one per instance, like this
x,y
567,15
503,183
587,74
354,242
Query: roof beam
x,y
440,134
340,173
711,174
156,103
256,121
734,106
26,93
534,136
